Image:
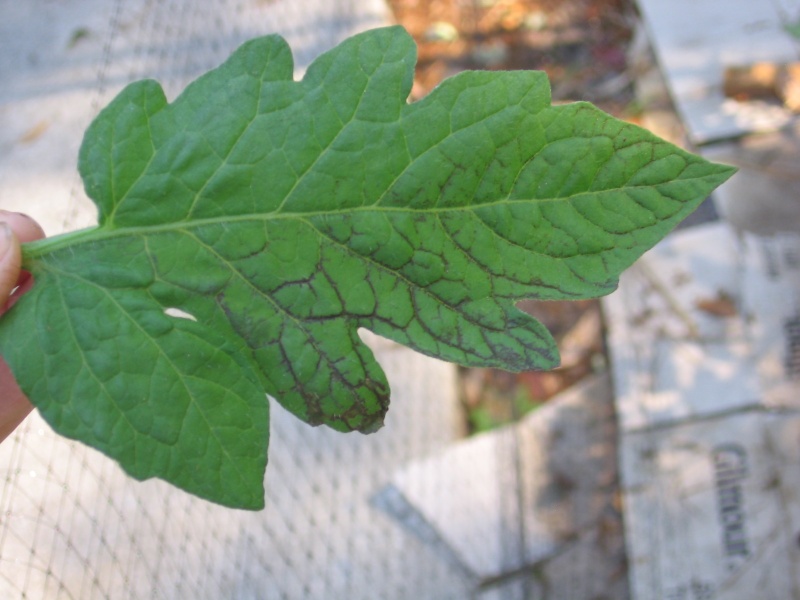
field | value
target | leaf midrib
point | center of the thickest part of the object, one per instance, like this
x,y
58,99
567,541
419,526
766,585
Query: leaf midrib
x,y
40,248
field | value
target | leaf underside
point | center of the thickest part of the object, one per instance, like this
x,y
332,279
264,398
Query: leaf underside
x,y
282,216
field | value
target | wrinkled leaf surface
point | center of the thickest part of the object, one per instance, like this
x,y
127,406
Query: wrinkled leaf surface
x,y
279,217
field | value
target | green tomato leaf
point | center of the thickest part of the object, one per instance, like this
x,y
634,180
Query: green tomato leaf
x,y
281,216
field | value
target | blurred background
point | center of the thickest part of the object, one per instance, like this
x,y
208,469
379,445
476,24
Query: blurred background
x,y
659,461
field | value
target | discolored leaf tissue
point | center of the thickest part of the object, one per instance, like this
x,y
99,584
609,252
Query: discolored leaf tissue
x,y
249,228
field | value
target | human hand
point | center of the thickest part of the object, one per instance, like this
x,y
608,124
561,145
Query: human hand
x,y
15,228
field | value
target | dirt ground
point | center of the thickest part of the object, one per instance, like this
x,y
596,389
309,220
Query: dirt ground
x,y
582,46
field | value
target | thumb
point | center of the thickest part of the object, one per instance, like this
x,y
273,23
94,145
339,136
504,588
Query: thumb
x,y
10,262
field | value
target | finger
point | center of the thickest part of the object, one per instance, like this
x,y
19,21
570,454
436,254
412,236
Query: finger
x,y
14,406
25,228
10,261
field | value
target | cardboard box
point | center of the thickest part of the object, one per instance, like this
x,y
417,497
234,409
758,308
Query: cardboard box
x,y
703,337
711,508
529,510
706,323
